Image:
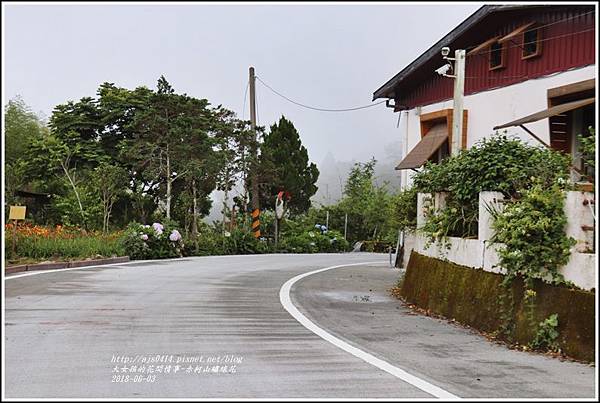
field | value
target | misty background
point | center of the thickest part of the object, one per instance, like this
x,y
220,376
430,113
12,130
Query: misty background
x,y
323,55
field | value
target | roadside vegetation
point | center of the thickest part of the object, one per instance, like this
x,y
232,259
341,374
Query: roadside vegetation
x,y
108,167
41,243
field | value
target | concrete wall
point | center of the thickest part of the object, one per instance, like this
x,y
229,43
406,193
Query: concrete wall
x,y
478,299
492,108
480,253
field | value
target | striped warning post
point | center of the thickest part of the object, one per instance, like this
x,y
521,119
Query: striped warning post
x,y
256,223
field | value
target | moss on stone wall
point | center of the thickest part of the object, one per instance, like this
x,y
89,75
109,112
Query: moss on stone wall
x,y
473,297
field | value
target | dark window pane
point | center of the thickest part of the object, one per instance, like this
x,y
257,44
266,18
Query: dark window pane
x,y
495,55
530,44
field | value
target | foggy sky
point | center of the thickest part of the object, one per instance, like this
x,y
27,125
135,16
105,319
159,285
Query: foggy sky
x,y
329,56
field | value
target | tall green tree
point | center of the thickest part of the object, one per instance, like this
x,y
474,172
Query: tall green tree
x,y
22,127
171,137
284,166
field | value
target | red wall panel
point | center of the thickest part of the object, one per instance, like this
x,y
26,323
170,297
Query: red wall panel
x,y
567,39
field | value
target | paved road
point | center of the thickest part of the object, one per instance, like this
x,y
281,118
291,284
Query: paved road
x,y
63,329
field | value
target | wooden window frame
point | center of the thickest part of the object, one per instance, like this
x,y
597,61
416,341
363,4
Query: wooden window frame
x,y
568,93
428,120
538,44
503,54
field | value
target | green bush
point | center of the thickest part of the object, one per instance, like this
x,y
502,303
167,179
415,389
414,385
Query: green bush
x,y
376,246
588,153
314,241
531,230
546,335
499,163
240,242
213,241
209,242
156,241
405,209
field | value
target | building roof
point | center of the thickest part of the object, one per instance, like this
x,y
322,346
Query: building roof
x,y
387,89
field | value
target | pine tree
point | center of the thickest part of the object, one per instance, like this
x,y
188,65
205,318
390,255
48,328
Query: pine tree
x,y
285,167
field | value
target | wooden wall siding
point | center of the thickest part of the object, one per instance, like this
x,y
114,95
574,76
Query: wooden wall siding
x,y
559,54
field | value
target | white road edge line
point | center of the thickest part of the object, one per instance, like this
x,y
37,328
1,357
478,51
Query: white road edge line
x,y
37,272
284,297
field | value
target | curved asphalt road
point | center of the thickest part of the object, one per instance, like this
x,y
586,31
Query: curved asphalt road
x,y
63,329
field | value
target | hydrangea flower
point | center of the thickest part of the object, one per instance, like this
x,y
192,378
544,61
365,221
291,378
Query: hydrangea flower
x,y
158,228
144,237
175,236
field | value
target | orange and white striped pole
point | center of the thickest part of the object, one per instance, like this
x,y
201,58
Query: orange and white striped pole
x,y
256,223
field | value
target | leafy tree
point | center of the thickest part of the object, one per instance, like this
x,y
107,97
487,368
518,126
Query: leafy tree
x,y
69,158
368,206
22,127
140,150
284,166
108,181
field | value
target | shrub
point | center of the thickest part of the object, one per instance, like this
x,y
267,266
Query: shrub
x,y
532,233
546,335
240,242
405,209
314,241
498,163
588,152
210,243
156,241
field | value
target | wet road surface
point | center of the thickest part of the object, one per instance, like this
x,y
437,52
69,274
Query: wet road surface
x,y
67,333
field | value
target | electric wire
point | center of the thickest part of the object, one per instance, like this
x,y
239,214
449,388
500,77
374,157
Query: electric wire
x,y
315,108
245,96
256,107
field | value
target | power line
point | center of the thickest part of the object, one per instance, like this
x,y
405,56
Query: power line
x,y
245,95
256,106
314,108
497,77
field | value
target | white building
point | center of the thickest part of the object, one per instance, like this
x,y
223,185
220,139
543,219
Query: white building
x,y
530,65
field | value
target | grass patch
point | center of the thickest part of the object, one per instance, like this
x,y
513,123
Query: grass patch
x,y
34,244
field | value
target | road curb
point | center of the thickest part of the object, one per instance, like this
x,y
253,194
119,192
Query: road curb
x,y
64,265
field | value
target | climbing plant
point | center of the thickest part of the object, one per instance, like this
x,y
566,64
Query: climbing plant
x,y
531,234
499,163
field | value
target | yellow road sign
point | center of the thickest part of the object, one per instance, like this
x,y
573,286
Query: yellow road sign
x,y
17,213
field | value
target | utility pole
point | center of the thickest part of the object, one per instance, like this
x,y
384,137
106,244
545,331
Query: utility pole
x,y
459,91
254,169
346,227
